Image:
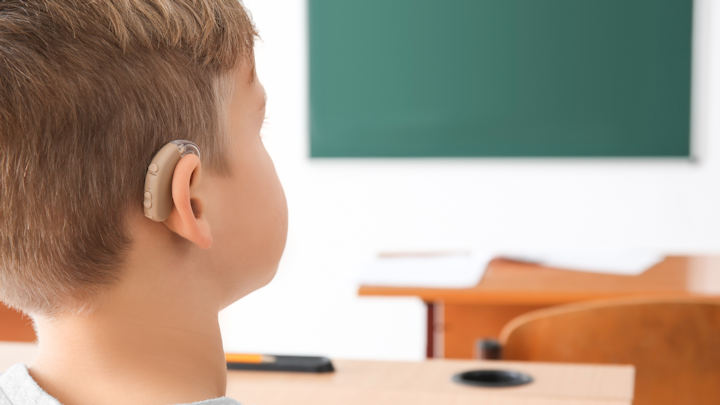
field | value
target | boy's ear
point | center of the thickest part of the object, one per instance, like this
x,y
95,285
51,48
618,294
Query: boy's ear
x,y
186,217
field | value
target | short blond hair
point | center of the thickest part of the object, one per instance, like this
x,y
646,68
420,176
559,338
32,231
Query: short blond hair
x,y
89,91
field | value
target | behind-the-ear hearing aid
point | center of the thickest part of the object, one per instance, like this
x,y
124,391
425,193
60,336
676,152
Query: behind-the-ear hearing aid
x,y
157,199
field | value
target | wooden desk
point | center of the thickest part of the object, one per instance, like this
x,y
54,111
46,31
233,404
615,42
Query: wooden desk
x,y
458,317
414,383
429,382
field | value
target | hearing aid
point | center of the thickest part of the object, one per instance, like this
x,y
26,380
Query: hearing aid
x,y
157,198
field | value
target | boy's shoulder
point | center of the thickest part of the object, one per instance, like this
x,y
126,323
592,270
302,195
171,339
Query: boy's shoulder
x,y
17,387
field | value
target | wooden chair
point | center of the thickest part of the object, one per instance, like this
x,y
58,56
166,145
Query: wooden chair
x,y
674,343
14,326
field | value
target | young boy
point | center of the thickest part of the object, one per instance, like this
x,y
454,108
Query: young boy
x,y
126,307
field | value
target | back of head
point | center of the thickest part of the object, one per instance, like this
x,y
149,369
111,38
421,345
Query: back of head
x,y
89,91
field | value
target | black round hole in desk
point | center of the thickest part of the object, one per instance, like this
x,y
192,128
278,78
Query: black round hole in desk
x,y
493,378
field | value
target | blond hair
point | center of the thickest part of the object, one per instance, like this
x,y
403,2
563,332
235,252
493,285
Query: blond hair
x,y
89,91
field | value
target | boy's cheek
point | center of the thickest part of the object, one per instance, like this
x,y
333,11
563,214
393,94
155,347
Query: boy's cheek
x,y
250,232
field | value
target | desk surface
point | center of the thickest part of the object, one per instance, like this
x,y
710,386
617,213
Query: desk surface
x,y
429,382
416,383
522,283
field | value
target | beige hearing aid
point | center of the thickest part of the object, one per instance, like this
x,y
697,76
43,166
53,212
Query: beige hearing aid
x,y
158,194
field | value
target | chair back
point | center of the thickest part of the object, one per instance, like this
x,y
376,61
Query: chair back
x,y
674,343
14,326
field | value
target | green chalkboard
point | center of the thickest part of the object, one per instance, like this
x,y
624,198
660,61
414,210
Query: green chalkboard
x,y
402,78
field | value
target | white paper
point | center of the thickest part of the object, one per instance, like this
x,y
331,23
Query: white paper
x,y
627,263
432,271
466,270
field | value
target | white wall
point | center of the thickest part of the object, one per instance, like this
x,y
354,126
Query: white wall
x,y
343,211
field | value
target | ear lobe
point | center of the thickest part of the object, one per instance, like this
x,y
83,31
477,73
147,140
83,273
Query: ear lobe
x,y
186,218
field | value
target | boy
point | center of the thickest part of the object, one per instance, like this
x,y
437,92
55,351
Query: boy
x,y
126,308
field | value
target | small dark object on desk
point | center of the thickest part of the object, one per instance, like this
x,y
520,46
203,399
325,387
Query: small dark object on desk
x,y
492,378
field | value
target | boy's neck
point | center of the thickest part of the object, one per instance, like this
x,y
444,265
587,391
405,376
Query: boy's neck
x,y
138,347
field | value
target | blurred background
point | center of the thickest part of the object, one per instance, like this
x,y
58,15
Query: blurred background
x,y
344,211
